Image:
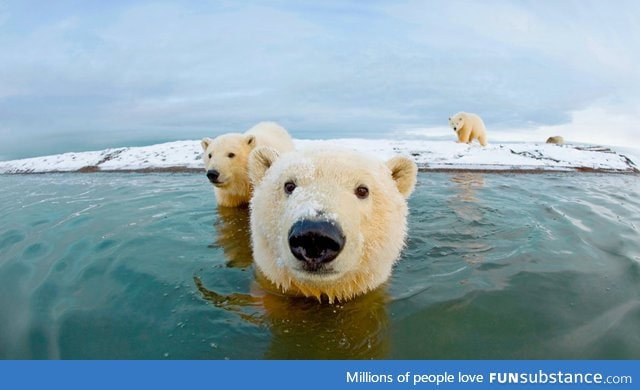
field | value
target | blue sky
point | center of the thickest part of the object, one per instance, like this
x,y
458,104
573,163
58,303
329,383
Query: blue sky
x,y
83,75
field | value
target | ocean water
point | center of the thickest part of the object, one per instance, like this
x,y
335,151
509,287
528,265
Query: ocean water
x,y
144,266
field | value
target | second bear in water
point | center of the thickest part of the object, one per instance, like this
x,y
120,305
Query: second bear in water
x,y
225,160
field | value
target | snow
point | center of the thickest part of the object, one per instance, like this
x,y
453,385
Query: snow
x,y
435,155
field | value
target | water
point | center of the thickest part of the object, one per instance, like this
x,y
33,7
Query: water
x,y
130,266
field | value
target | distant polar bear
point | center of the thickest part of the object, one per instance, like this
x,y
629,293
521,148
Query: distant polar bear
x,y
226,157
468,127
557,139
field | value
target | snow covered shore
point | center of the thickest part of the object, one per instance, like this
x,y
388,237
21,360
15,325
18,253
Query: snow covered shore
x,y
429,155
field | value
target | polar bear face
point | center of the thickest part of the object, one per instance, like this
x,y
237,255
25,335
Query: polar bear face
x,y
225,161
328,223
457,121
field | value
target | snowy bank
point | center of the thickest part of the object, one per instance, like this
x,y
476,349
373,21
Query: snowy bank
x,y
429,155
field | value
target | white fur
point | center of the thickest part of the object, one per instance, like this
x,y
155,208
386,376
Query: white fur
x,y
468,127
374,227
235,188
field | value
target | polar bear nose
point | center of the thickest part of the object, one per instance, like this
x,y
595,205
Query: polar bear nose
x,y
315,242
213,175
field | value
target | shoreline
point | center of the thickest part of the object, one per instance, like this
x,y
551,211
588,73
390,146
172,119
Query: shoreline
x,y
498,171
430,156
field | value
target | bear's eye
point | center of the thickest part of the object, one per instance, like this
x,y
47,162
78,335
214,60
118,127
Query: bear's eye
x,y
289,187
209,155
231,155
362,192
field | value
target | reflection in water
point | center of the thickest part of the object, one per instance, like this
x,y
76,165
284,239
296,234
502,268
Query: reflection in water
x,y
469,211
236,303
234,236
301,328
465,203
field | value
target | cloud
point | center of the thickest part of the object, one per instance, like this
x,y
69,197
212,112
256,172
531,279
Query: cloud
x,y
575,41
127,72
4,15
603,125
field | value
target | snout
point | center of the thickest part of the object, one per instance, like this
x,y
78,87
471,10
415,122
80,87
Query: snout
x,y
455,128
213,176
315,242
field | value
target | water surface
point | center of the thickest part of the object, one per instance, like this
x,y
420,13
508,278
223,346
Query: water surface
x,y
131,266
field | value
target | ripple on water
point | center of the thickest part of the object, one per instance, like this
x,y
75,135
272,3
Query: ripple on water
x,y
102,266
40,222
10,238
34,251
105,245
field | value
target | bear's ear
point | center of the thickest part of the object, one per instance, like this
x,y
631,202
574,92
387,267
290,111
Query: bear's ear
x,y
260,160
206,141
251,141
403,172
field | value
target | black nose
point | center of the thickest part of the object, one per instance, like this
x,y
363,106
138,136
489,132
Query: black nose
x,y
213,175
315,242
455,129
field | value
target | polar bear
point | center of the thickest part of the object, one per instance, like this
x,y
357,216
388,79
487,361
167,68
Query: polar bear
x,y
328,224
468,127
225,160
557,139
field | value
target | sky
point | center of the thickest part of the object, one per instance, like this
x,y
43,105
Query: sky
x,y
88,74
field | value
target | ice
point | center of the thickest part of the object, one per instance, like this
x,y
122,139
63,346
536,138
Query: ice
x,y
442,155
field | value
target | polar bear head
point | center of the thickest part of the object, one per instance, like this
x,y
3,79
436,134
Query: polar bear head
x,y
457,121
225,162
325,223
